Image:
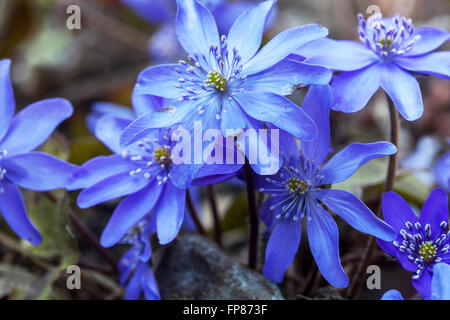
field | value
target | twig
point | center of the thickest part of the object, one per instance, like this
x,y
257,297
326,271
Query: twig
x,y
215,214
194,214
253,218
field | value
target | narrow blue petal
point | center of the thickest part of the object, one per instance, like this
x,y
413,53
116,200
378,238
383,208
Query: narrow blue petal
x,y
15,214
392,295
317,105
247,31
154,11
169,212
435,211
404,90
323,236
287,76
149,285
430,39
350,208
279,111
100,109
33,125
396,212
435,64
352,90
346,162
283,45
39,171
7,102
159,81
232,120
143,103
128,213
134,289
281,249
111,188
423,284
108,130
440,284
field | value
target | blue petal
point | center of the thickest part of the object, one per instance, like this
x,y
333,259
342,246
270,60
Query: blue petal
x,y
440,284
267,215
111,188
108,131
154,11
7,102
100,109
134,289
281,112
286,76
227,13
346,162
128,213
159,81
232,120
317,106
143,103
435,211
396,212
281,249
441,171
423,284
98,169
436,64
404,90
431,39
247,31
169,213
196,29
392,295
149,285
337,55
323,236
352,90
33,125
282,46
15,214
39,171
356,213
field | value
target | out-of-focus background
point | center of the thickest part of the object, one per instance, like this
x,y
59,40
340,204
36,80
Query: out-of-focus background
x,y
101,62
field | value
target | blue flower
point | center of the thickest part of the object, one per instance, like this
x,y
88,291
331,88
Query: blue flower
x,y
393,51
441,171
19,166
440,285
135,272
301,189
421,242
231,84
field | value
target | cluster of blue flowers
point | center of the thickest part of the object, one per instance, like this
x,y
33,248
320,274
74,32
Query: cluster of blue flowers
x,y
232,84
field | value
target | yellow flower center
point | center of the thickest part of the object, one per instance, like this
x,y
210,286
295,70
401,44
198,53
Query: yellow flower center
x,y
296,185
162,155
427,250
216,81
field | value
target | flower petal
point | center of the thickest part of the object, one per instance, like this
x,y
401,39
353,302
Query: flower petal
x,y
129,212
430,39
282,46
356,213
440,284
346,162
15,214
435,211
33,125
392,295
441,171
155,11
435,64
281,249
396,211
232,118
169,212
100,109
7,102
404,90
39,171
323,236
423,284
149,285
108,130
352,90
159,81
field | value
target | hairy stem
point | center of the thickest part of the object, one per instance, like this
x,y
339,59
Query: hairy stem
x,y
215,214
194,214
371,245
253,218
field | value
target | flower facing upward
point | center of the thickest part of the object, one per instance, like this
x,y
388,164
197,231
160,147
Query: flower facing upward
x,y
230,84
421,242
19,166
391,53
301,189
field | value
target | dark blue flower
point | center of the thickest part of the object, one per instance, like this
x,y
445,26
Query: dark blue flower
x,y
393,51
231,84
19,166
421,241
440,285
301,189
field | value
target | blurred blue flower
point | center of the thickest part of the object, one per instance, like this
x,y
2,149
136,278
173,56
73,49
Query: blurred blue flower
x,y
232,84
301,189
440,285
163,45
393,51
421,242
19,166
441,171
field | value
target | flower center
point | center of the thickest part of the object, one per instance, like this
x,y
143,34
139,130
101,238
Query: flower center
x,y
296,185
162,155
216,81
427,251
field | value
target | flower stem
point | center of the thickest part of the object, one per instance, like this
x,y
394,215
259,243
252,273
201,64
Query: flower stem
x,y
253,218
371,245
194,214
215,214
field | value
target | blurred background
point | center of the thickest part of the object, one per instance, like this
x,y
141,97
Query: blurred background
x,y
101,61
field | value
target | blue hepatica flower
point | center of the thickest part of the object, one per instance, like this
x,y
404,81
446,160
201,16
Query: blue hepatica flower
x,y
135,272
231,84
440,285
19,166
301,190
164,44
421,242
391,53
